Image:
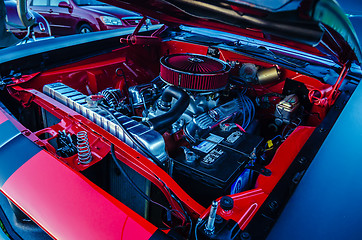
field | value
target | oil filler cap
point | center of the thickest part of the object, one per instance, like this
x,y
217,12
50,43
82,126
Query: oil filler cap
x,y
226,203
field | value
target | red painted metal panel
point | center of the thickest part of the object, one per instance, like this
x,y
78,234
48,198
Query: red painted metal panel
x,y
284,156
68,206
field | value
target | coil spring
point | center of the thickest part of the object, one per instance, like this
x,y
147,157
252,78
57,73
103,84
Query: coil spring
x,y
112,96
84,152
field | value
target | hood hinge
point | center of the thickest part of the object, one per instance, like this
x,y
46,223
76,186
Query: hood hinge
x,y
327,99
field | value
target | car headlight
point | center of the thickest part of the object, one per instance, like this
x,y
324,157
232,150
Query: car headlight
x,y
111,21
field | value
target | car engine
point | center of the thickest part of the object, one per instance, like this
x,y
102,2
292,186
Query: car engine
x,y
189,129
170,128
189,118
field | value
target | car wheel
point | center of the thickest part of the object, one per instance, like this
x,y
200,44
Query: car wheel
x,y
84,28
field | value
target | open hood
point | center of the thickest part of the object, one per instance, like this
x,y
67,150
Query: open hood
x,y
316,26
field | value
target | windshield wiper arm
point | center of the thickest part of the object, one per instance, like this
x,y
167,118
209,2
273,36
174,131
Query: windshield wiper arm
x,y
265,52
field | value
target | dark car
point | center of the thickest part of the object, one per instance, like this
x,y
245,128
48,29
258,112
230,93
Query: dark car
x,y
13,23
233,120
82,16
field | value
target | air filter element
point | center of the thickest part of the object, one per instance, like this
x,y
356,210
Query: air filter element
x,y
194,72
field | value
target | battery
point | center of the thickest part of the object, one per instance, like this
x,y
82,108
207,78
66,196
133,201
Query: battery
x,y
217,165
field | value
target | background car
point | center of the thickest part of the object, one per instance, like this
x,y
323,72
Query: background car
x,y
82,16
13,23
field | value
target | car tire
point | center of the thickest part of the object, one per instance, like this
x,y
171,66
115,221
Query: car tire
x,y
84,28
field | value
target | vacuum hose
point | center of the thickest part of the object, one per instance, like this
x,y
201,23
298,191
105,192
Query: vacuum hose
x,y
165,120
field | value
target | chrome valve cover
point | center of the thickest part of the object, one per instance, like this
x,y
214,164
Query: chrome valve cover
x,y
75,100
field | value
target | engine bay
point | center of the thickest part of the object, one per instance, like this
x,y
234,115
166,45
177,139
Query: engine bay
x,y
212,124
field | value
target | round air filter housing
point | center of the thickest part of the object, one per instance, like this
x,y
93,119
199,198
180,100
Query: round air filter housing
x,y
194,72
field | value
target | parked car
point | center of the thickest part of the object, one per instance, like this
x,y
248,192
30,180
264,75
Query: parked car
x,y
13,24
82,16
204,127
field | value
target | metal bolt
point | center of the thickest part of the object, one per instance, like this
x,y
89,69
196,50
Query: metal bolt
x,y
245,236
302,160
273,205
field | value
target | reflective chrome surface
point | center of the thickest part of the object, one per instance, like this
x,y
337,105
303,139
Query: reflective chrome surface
x,y
75,100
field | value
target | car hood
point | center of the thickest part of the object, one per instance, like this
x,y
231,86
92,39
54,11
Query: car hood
x,y
315,26
111,10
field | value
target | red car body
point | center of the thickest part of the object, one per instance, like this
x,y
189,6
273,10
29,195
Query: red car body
x,y
77,16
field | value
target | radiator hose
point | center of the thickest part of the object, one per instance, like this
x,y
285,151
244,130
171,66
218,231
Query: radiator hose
x,y
173,114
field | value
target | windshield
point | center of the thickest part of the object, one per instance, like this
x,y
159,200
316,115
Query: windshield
x,y
89,3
